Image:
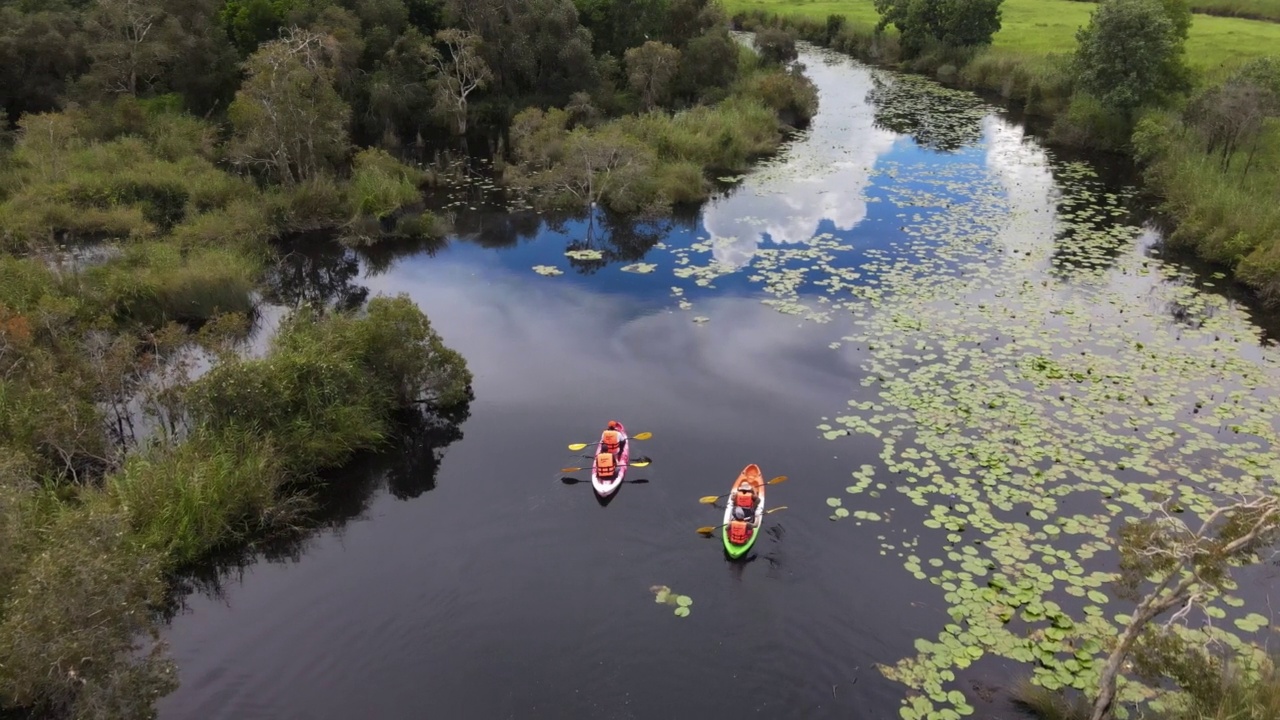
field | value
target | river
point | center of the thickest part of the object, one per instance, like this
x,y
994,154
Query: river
x,y
909,228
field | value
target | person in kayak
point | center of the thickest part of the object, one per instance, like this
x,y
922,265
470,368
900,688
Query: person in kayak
x,y
613,440
745,500
740,530
606,466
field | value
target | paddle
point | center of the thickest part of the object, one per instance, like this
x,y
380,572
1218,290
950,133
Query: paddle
x,y
706,531
574,481
711,499
638,436
639,463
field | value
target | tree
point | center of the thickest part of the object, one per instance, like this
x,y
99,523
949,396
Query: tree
x,y
951,23
598,165
707,61
533,47
618,25
1234,113
1185,564
39,54
777,46
688,19
1131,55
288,118
130,42
459,75
650,70
399,89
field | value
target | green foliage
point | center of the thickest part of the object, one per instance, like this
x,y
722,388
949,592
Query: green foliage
x,y
1131,55
154,283
651,68
252,22
290,121
950,23
381,185
709,61
789,94
776,45
138,185
40,53
187,500
329,384
618,25
1087,123
77,611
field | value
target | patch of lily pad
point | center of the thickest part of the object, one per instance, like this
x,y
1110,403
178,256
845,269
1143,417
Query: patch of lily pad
x,y
548,270
683,604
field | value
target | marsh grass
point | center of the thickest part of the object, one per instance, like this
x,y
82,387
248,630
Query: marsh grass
x,y
153,283
82,601
1231,217
381,185
211,490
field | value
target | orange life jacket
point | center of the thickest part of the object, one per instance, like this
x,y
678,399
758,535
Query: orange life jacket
x,y
611,440
739,532
744,500
605,467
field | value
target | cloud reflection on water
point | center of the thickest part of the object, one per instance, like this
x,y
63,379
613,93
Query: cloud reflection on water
x,y
820,177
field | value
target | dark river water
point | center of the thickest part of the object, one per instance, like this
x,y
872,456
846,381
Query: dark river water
x,y
460,577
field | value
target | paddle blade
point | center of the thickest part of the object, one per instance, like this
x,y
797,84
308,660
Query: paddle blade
x,y
709,499
706,531
640,436
775,481
784,507
569,470
579,446
640,463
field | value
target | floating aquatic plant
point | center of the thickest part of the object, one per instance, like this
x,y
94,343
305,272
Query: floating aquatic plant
x,y
664,595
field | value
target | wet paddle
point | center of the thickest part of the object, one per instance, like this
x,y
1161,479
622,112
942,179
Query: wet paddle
x,y
575,481
637,436
639,463
706,531
711,499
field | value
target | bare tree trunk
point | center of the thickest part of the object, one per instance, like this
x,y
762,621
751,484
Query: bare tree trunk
x,y
1249,159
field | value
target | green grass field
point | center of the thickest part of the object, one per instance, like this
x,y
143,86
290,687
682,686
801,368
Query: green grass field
x,y
1046,26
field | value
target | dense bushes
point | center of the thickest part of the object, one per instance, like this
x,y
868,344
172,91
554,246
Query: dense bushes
x,y
651,161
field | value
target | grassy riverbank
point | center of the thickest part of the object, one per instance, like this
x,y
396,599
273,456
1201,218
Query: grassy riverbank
x,y
1223,209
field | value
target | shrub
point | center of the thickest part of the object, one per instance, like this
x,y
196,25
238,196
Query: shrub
x,y
185,500
381,185
69,638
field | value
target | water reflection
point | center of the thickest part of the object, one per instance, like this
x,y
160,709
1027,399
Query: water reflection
x,y
616,238
315,270
936,118
819,178
406,467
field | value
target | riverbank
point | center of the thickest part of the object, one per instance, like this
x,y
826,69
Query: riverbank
x,y
1223,210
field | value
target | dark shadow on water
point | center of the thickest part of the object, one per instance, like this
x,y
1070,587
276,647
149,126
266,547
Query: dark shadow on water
x,y
315,269
406,467
935,117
